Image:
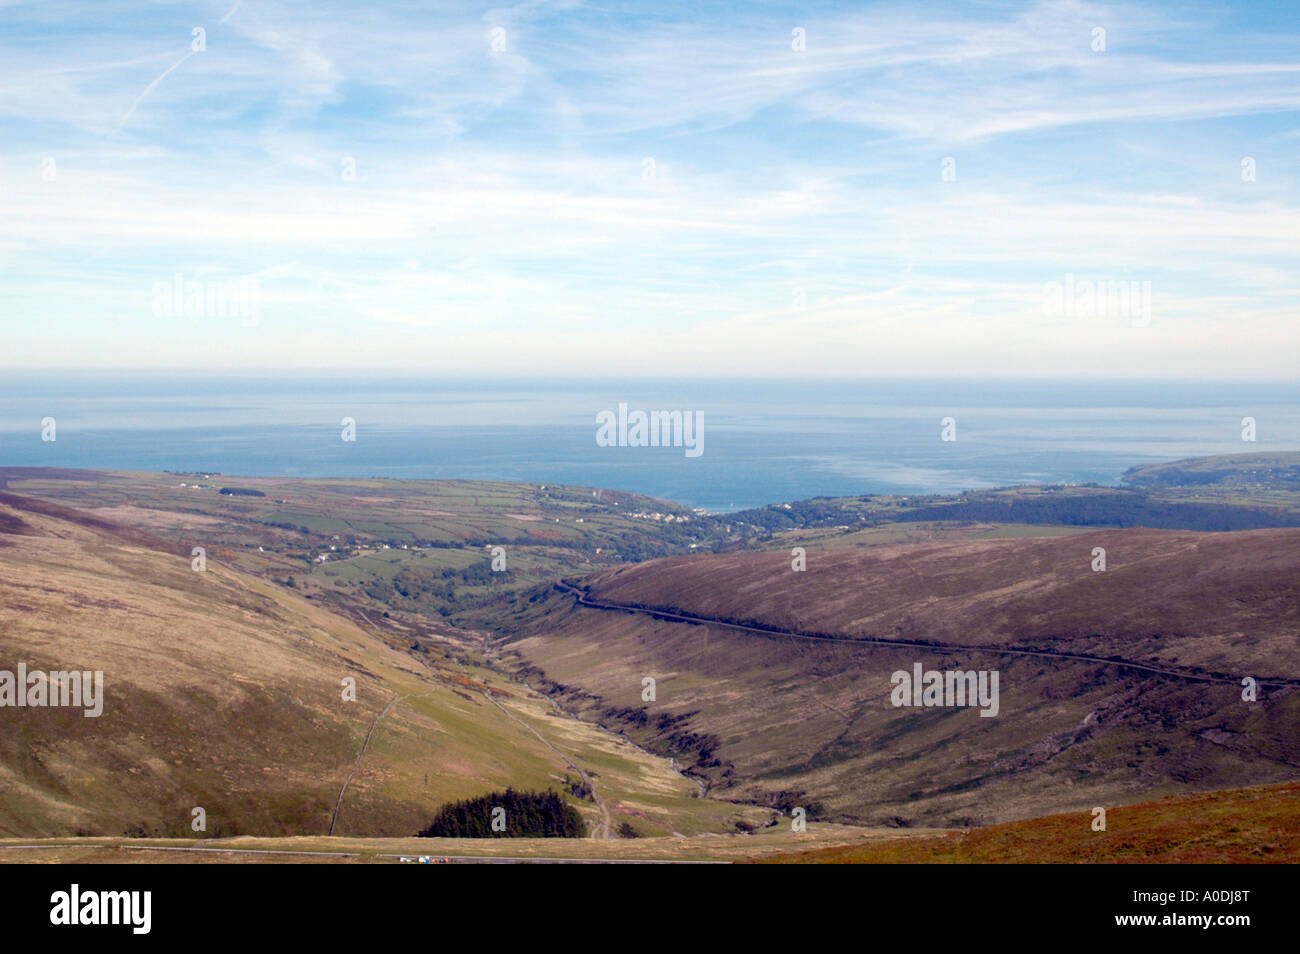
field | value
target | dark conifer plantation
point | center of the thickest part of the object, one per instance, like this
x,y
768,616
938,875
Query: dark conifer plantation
x,y
527,815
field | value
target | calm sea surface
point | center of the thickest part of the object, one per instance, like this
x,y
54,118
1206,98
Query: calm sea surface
x,y
764,441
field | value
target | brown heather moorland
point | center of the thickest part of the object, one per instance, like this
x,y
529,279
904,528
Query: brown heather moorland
x,y
223,687
785,721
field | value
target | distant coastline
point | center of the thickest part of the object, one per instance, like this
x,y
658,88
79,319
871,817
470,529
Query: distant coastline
x,y
768,440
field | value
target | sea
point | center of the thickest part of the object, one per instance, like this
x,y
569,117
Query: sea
x,y
764,440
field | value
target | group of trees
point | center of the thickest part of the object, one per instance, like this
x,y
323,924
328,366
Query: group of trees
x,y
818,512
508,814
430,587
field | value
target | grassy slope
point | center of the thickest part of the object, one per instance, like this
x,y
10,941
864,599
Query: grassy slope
x,y
1239,826
1227,601
372,530
764,715
1244,471
709,847
814,736
223,691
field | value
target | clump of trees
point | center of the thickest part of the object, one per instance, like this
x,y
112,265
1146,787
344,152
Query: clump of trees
x,y
508,814
818,512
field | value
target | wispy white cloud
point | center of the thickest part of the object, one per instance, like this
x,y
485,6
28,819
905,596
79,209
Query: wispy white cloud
x,y
679,190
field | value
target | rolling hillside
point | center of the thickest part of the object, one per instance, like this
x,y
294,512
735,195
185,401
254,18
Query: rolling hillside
x,y
783,720
771,686
1243,472
223,691
1240,826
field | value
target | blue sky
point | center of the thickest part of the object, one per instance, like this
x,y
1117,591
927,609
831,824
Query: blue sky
x,y
575,188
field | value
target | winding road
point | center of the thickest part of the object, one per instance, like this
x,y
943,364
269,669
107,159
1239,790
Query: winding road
x,y
774,632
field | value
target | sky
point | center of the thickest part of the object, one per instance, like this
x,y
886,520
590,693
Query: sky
x,y
760,189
